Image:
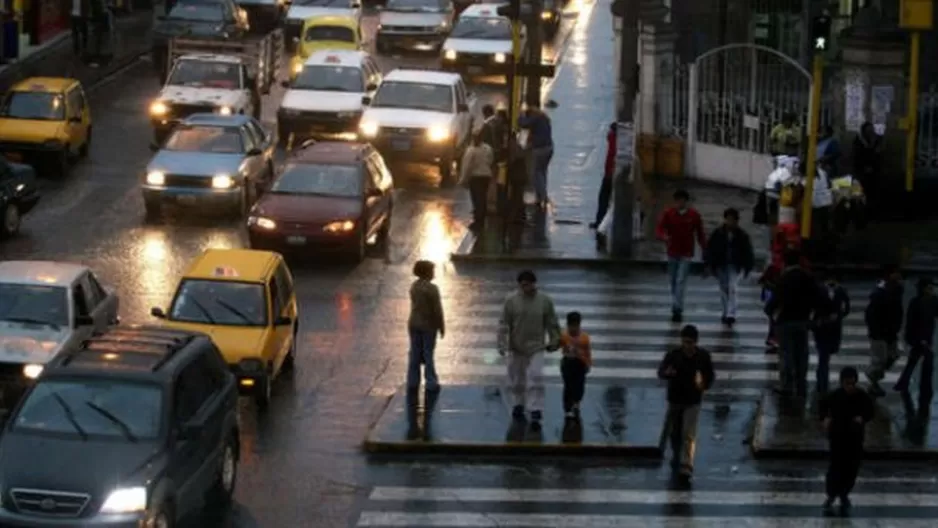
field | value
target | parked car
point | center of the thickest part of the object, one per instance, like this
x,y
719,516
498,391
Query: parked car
x,y
19,193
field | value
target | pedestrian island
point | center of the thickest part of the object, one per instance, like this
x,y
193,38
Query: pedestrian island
x,y
898,431
477,420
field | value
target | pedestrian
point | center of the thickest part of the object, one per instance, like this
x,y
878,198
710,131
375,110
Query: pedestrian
x,y
477,170
576,363
517,176
844,414
678,227
785,138
883,321
769,283
605,188
729,256
424,324
822,203
81,10
528,317
828,150
540,147
493,131
689,373
867,165
101,30
919,333
796,298
829,328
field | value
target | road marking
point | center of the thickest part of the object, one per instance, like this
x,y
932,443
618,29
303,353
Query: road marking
x,y
661,326
585,299
475,339
747,358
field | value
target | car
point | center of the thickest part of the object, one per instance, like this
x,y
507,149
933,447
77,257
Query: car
x,y
203,18
480,42
325,100
135,427
46,306
210,161
421,116
45,122
325,33
420,25
331,196
243,299
302,10
19,193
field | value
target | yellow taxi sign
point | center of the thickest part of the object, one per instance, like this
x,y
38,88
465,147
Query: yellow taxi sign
x,y
486,12
225,272
332,59
37,87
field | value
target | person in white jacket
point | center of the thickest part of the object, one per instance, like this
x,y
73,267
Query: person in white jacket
x,y
476,171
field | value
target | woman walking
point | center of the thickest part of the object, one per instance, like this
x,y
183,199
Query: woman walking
x,y
478,169
426,320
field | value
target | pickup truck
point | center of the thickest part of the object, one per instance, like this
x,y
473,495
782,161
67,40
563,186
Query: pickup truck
x,y
421,116
419,25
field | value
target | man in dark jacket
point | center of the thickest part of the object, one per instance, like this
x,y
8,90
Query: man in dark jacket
x,y
845,414
689,373
829,327
728,256
919,332
609,168
883,322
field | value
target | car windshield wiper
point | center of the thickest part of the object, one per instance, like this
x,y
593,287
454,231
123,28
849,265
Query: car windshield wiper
x,y
30,320
198,304
70,415
125,429
226,305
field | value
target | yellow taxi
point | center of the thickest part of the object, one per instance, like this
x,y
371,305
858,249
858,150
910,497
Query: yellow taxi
x,y
325,32
45,122
244,299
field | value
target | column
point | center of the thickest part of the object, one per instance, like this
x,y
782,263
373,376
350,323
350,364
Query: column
x,y
657,79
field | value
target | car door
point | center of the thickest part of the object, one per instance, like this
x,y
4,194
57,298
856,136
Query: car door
x,y
81,309
385,183
75,118
210,417
275,349
286,299
188,450
374,76
109,305
373,196
265,139
252,164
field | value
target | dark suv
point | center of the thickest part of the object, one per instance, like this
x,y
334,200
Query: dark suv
x,y
136,427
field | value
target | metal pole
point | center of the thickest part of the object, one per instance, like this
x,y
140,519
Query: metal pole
x,y
514,86
811,166
912,118
535,45
623,191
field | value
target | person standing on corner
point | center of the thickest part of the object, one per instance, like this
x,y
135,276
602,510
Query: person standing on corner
x,y
540,147
845,414
689,373
81,11
477,169
609,168
729,255
883,322
527,318
919,332
829,328
425,322
678,227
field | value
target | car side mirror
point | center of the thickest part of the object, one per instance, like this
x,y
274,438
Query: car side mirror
x,y
462,107
158,313
366,100
285,84
154,147
283,321
371,87
189,431
84,320
255,152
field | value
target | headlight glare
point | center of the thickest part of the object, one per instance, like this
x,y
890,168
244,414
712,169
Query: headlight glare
x,y
547,15
156,178
32,371
500,57
340,227
437,134
262,222
449,55
369,129
159,108
298,68
224,110
126,500
222,181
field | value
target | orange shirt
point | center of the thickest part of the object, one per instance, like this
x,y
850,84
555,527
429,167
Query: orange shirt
x,y
577,346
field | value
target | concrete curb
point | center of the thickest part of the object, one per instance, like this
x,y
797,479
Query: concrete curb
x,y
770,453
520,449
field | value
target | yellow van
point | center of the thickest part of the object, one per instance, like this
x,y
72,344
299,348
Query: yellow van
x,y
45,122
243,299
325,32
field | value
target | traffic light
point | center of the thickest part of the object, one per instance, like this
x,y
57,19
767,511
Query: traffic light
x,y
821,33
512,10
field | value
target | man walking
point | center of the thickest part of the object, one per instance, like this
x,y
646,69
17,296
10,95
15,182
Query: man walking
x,y
527,318
689,373
540,147
79,18
883,322
678,227
919,332
609,167
729,255
845,414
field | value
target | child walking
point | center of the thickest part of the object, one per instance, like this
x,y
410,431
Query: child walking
x,y
576,362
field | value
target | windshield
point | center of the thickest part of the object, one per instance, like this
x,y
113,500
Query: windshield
x,y
330,79
220,302
343,181
214,139
325,3
34,304
430,6
207,12
197,73
330,33
34,105
93,407
485,28
420,96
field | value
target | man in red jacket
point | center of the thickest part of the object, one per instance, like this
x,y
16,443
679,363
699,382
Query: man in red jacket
x,y
679,226
605,190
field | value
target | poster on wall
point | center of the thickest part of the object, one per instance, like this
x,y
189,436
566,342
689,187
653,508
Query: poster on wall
x,y
53,18
881,98
854,100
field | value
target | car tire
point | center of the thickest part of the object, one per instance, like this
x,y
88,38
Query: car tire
x,y
86,148
262,393
11,221
221,494
62,163
360,250
447,171
289,362
152,212
164,518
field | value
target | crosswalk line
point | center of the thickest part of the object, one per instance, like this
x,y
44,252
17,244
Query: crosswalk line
x,y
612,286
583,299
729,358
624,326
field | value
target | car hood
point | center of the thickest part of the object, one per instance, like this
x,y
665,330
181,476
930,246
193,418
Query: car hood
x,y
206,96
478,45
234,342
195,163
404,117
322,101
30,130
298,12
95,467
307,209
395,18
30,343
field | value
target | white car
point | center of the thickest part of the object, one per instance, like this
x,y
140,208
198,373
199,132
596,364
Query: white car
x,y
421,116
302,10
325,99
201,83
414,24
480,42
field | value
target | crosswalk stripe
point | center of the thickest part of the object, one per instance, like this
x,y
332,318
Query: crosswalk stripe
x,y
479,340
624,326
584,300
552,287
735,358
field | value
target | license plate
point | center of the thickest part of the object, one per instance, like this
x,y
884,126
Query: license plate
x,y
296,240
474,70
14,156
400,144
188,200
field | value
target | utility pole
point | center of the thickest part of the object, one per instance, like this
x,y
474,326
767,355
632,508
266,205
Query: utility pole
x,y
512,12
912,16
821,40
535,44
623,196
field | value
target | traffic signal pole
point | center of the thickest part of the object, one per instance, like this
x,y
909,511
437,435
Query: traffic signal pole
x,y
821,32
514,87
623,197
535,45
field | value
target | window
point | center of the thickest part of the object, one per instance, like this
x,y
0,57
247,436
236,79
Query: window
x,y
220,303
38,106
206,74
414,95
92,296
387,180
285,281
27,304
343,181
194,388
81,300
326,78
330,34
250,143
99,292
460,93
374,172
482,28
214,139
276,302
75,103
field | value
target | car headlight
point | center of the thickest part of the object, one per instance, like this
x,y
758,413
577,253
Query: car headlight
x,y
159,108
32,371
156,178
126,500
343,226
298,68
369,129
443,25
449,55
500,58
547,15
437,134
222,181
262,222
224,110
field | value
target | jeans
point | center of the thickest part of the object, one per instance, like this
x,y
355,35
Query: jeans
x,y
526,380
678,268
827,341
845,457
422,345
479,193
728,277
882,356
682,430
925,354
540,161
793,347
573,372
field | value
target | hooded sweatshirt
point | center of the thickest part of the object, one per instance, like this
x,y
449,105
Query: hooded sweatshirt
x,y
884,312
526,321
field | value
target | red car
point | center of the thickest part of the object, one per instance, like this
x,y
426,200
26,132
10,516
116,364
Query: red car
x,y
330,197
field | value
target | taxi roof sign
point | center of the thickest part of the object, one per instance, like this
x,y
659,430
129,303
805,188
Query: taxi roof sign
x,y
486,12
332,59
226,272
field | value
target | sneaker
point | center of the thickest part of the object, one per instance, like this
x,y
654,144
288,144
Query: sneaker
x,y
829,504
725,320
518,412
844,506
676,316
730,321
570,415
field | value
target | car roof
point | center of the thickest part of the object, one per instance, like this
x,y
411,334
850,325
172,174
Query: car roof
x,y
211,57
422,76
337,57
216,119
245,265
331,20
40,272
482,10
330,152
44,84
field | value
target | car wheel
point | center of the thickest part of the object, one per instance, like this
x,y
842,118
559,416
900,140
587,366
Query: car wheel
x,y
86,148
289,362
447,169
11,221
62,163
222,492
360,249
263,392
164,518
152,213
